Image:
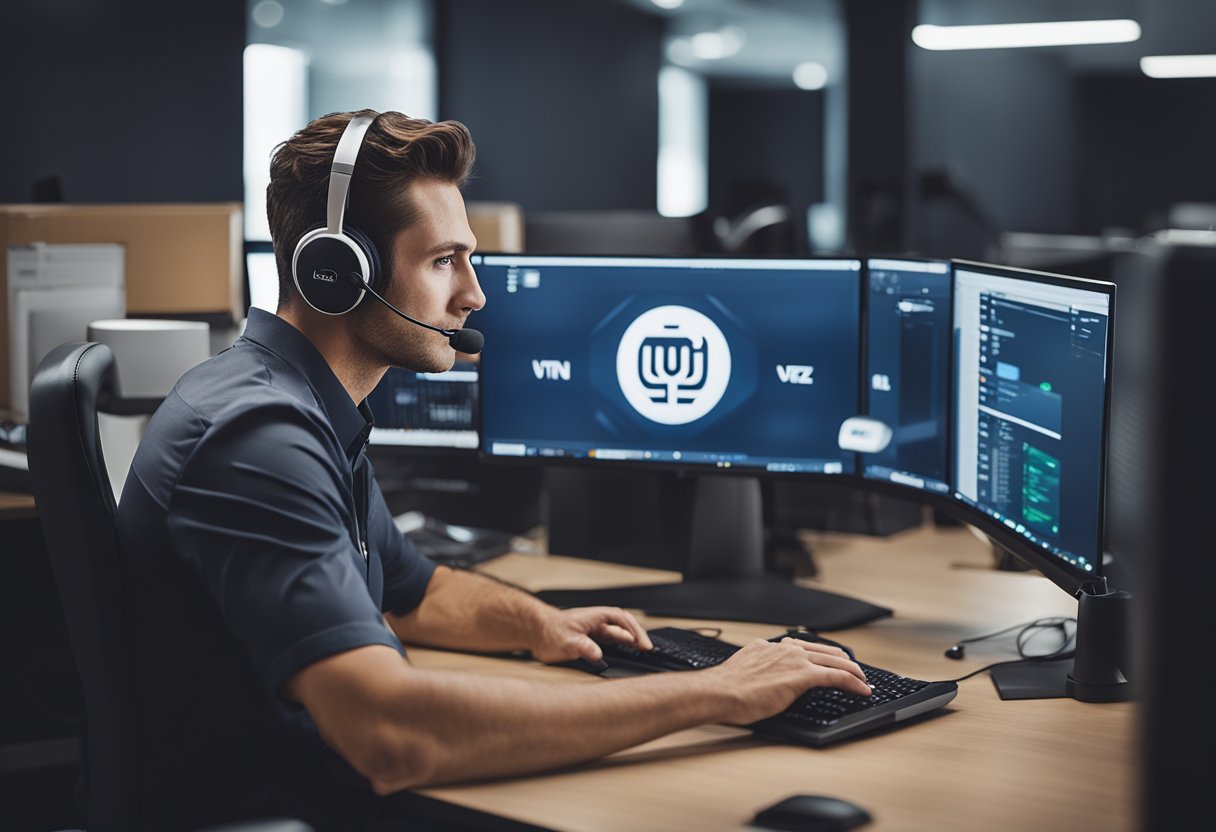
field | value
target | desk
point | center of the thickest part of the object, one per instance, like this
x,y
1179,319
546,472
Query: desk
x,y
979,764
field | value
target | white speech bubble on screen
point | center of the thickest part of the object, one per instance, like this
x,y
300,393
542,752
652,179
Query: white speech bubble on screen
x,y
864,435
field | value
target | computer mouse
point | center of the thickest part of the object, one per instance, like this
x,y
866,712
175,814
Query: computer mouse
x,y
812,813
585,665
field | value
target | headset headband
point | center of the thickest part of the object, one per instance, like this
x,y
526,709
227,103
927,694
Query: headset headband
x,y
342,168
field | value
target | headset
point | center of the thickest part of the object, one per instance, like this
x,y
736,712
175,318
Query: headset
x,y
335,267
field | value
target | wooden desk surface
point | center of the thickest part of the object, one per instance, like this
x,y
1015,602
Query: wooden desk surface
x,y
979,764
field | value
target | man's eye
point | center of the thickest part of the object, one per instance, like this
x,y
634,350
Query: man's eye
x,y
444,261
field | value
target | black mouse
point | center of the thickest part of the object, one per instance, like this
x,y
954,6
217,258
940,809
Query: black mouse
x,y
585,665
812,813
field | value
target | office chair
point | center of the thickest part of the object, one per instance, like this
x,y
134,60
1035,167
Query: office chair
x,y
76,507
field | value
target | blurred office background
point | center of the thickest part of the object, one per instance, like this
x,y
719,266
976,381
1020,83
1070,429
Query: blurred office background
x,y
642,126
701,110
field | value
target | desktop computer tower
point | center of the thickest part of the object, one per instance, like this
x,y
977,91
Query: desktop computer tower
x,y
54,292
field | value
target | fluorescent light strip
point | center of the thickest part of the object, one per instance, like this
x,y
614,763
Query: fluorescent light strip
x,y
1179,66
1015,35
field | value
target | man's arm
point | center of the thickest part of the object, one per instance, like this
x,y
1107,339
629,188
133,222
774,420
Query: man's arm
x,y
465,611
405,727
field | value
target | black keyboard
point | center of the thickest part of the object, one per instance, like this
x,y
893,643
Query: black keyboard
x,y
817,717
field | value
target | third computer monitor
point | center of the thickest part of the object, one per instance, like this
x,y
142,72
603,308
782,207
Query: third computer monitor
x,y
747,364
1031,368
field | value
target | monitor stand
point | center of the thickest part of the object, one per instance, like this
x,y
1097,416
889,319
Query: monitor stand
x,y
1096,670
724,578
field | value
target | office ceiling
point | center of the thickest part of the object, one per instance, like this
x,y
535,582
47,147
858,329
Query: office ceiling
x,y
779,34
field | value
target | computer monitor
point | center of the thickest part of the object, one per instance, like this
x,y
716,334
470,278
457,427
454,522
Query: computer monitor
x,y
723,365
432,410
907,371
748,365
1032,397
1032,367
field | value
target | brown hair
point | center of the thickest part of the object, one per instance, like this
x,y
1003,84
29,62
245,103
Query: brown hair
x,y
396,150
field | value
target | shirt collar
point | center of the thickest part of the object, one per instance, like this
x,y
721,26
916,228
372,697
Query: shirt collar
x,y
351,424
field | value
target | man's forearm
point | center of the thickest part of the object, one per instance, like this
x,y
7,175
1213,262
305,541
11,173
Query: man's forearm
x,y
526,727
466,611
402,726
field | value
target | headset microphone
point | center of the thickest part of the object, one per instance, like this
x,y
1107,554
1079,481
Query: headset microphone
x,y
332,250
462,340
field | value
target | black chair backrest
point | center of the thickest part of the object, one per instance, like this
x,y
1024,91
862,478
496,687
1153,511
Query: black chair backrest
x,y
76,507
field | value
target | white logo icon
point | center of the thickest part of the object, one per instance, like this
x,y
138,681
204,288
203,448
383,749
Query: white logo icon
x,y
673,365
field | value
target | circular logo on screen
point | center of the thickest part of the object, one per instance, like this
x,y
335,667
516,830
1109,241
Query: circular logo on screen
x,y
673,364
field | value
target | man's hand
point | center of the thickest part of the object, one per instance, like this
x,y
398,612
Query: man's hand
x,y
565,635
766,677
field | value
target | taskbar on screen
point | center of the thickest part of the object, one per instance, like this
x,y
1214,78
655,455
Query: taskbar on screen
x,y
782,465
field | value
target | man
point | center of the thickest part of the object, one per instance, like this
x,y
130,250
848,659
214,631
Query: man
x,y
271,593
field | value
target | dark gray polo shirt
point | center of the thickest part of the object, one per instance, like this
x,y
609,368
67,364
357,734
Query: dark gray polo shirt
x,y
255,542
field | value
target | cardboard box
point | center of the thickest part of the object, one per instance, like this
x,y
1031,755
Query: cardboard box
x,y
181,260
498,226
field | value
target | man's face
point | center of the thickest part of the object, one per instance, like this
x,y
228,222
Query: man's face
x,y
432,281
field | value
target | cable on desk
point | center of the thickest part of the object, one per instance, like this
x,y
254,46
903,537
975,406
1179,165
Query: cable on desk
x,y
1025,636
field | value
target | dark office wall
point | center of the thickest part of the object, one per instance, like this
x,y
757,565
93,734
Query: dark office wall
x,y
123,100
561,98
764,141
1004,122
1145,144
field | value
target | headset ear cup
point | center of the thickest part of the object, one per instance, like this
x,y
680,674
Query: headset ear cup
x,y
326,269
373,275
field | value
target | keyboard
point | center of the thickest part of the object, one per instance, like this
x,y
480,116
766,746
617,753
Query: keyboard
x,y
817,717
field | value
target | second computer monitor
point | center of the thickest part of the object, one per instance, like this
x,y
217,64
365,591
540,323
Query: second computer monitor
x,y
907,377
749,364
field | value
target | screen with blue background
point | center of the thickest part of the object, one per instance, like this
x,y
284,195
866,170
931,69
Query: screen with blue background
x,y
726,363
1031,374
908,370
